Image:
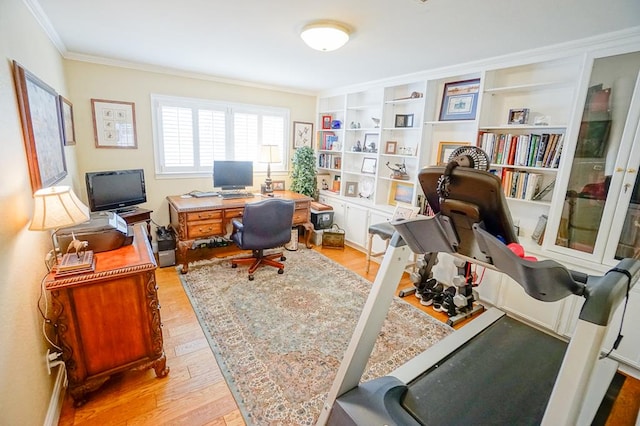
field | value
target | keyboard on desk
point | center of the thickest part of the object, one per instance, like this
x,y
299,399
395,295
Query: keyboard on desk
x,y
232,195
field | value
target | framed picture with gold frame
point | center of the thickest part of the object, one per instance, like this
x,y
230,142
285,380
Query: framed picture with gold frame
x,y
445,149
400,192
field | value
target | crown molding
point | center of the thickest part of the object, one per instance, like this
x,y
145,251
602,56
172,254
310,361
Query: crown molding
x,y
42,19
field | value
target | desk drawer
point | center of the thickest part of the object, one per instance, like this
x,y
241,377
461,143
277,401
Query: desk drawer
x,y
204,215
204,229
231,213
300,216
303,205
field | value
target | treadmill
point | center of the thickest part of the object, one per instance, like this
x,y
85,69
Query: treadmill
x,y
495,370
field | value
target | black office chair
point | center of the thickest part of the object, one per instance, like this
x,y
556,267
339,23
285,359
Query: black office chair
x,y
264,225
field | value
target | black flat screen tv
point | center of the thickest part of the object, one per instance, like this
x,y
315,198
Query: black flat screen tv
x,y
115,189
230,175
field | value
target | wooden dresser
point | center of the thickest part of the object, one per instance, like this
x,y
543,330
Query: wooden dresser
x,y
109,320
201,218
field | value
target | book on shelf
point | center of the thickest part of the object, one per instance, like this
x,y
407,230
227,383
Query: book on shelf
x,y
544,191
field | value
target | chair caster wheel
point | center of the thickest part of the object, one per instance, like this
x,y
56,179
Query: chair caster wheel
x,y
282,258
280,271
233,265
250,277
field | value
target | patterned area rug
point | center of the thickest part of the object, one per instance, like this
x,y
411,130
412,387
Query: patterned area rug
x,y
280,338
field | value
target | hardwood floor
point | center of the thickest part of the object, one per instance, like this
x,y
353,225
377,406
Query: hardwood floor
x,y
194,392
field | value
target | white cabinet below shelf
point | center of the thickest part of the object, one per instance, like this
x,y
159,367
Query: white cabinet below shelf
x,y
356,224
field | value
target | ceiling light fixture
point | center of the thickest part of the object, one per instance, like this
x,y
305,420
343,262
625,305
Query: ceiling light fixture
x,y
325,35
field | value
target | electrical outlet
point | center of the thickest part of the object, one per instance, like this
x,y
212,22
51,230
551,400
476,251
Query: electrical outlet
x,y
51,360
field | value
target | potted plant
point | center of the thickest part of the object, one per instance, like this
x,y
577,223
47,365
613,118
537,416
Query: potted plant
x,y
303,174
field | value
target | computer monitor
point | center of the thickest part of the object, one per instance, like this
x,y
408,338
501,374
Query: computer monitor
x,y
232,175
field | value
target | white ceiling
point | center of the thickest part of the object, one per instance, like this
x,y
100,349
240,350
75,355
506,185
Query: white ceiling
x,y
258,40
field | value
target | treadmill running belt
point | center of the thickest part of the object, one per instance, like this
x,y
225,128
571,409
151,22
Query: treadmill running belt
x,y
504,376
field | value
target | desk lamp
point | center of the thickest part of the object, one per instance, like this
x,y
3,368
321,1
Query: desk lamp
x,y
57,207
269,154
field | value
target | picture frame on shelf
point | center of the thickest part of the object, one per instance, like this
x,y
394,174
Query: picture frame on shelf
x,y
68,127
277,185
302,134
369,165
351,189
518,116
114,124
405,211
391,147
460,100
42,128
404,120
326,122
445,149
371,142
400,192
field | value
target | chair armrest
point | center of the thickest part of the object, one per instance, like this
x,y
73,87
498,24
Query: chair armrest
x,y
237,224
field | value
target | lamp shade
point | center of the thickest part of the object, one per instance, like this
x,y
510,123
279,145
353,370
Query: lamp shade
x,y
325,36
57,207
270,154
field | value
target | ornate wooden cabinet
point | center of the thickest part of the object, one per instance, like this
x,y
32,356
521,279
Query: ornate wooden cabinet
x,y
109,320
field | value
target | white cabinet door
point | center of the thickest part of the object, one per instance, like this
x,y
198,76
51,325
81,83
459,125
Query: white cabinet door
x,y
514,299
628,350
356,225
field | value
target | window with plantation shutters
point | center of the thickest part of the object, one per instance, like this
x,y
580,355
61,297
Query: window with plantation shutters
x,y
189,134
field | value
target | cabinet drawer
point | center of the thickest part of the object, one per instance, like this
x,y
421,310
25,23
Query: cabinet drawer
x,y
303,205
204,215
300,216
231,213
204,229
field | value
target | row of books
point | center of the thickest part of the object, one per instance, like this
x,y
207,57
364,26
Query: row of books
x,y
529,150
520,185
326,140
329,161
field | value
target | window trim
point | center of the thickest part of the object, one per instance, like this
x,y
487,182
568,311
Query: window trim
x,y
158,100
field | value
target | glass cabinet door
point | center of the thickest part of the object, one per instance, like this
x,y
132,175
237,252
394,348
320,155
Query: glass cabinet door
x,y
602,179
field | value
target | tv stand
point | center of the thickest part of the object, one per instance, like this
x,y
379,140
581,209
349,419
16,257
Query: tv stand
x,y
136,215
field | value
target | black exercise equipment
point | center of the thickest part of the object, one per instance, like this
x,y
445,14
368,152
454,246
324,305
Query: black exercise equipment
x,y
496,369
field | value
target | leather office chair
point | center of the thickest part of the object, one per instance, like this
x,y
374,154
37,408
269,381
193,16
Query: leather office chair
x,y
264,225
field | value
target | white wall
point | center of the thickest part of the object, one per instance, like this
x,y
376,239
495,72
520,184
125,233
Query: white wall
x,y
25,387
90,80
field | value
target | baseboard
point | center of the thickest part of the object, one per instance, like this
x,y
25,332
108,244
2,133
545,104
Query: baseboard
x,y
57,397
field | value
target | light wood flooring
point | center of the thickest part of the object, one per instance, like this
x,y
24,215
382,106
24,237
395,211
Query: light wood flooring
x,y
194,392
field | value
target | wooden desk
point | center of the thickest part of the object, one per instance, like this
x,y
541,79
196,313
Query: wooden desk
x,y
109,320
200,218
